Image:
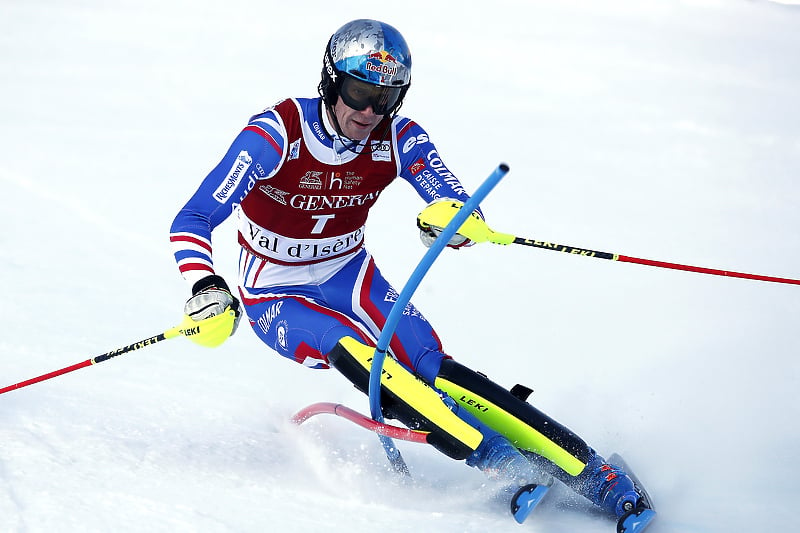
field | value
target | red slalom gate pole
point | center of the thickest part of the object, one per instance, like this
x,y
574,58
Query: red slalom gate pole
x,y
362,420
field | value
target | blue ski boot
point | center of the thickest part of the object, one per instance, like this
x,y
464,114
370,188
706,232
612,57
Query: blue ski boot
x,y
500,460
609,487
639,518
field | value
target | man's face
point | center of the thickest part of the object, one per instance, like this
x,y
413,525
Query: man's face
x,y
356,125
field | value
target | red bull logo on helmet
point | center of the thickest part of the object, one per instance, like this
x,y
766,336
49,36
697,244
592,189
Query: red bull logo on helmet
x,y
383,57
385,70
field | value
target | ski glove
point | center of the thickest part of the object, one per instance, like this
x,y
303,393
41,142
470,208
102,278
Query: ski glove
x,y
431,233
433,219
211,297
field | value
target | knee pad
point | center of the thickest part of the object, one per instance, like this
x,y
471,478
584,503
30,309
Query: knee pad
x,y
407,398
508,413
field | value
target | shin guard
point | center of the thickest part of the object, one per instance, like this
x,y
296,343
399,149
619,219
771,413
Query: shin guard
x,y
524,425
407,398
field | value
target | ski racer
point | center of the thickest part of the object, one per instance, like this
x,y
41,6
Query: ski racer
x,y
301,177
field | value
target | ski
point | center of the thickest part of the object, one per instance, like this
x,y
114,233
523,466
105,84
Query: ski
x,y
526,499
635,520
638,519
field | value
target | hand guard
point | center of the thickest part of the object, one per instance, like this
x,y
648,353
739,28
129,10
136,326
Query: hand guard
x,y
211,297
433,219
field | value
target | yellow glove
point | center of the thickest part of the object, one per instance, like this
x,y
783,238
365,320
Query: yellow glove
x,y
435,217
210,332
211,314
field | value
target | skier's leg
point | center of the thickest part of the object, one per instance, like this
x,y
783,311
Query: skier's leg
x,y
297,326
406,398
337,322
453,430
527,427
371,299
549,444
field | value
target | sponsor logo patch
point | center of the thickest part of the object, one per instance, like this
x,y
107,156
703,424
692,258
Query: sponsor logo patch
x,y
381,151
311,180
294,150
276,194
417,166
234,177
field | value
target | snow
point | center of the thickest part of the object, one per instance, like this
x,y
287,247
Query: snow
x,y
664,130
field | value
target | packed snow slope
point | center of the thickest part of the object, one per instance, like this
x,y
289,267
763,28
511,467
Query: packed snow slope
x,y
665,130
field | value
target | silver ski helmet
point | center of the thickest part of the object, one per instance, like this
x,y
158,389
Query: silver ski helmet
x,y
367,62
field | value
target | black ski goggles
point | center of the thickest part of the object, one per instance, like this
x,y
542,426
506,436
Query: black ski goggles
x,y
359,95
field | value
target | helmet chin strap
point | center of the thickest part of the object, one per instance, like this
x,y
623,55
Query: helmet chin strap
x,y
354,143
335,121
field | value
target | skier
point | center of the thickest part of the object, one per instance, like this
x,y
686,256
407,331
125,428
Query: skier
x,y
302,176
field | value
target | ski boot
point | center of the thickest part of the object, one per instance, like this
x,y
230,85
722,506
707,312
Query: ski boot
x,y
500,460
611,488
637,519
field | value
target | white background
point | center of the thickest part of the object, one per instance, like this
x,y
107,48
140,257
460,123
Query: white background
x,y
666,130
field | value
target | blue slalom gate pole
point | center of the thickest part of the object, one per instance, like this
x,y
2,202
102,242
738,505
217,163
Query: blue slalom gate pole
x,y
405,296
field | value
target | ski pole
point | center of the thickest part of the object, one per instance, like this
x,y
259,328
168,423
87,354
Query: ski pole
x,y
209,332
437,215
405,296
170,333
502,238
